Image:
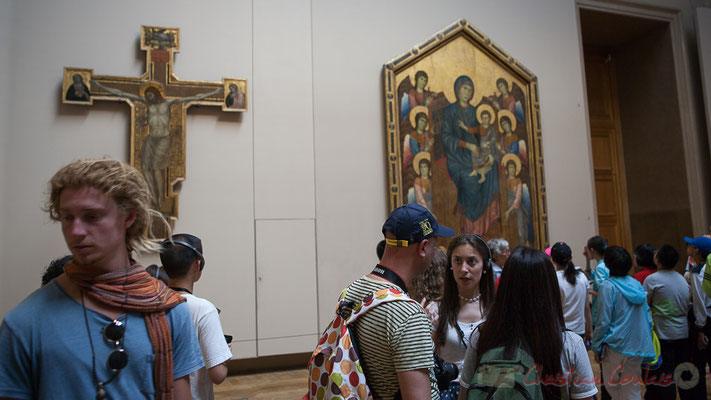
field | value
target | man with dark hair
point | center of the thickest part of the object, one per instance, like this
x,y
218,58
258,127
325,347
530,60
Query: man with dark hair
x,y
621,309
698,249
666,257
380,249
54,269
394,338
644,258
158,272
183,261
668,297
104,328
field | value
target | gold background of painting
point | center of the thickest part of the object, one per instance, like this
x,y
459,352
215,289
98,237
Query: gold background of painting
x,y
459,57
461,49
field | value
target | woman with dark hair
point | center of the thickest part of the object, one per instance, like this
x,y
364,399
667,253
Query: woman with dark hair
x,y
527,318
574,288
468,295
427,287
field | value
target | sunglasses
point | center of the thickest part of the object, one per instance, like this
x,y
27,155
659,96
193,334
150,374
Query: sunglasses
x,y
113,333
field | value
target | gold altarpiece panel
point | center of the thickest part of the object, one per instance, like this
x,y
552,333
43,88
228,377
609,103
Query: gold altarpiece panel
x,y
462,125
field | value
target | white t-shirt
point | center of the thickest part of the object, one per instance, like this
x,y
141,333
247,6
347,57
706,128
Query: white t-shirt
x,y
701,302
212,343
573,299
670,302
574,358
454,348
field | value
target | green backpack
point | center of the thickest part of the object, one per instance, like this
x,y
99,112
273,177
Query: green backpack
x,y
496,378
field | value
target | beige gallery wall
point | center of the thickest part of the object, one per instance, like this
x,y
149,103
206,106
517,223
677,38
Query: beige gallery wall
x,y
289,198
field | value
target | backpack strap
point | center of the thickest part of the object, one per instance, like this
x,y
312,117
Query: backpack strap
x,y
375,299
369,302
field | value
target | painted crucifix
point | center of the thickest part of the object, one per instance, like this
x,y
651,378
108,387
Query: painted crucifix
x,y
158,102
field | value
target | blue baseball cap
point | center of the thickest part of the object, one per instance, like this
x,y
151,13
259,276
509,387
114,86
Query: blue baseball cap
x,y
702,243
413,223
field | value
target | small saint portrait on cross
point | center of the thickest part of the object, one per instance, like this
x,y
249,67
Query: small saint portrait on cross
x,y
74,86
235,95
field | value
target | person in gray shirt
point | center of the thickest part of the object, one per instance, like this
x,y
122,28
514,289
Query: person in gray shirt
x,y
669,298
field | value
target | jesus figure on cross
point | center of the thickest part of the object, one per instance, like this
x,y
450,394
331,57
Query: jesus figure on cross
x,y
155,153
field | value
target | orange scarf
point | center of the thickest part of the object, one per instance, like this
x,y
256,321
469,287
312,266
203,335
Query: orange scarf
x,y
133,289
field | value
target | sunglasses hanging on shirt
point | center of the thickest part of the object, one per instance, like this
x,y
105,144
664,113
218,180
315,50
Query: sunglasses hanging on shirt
x,y
113,333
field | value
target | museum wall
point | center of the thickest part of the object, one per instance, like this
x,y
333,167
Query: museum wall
x,y
289,198
6,11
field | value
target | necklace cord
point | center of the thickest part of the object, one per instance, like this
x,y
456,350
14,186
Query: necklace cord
x,y
91,344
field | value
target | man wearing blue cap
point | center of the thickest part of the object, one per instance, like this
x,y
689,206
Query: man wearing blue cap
x,y
394,338
698,249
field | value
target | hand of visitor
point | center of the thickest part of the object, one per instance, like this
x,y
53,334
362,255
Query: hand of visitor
x,y
702,341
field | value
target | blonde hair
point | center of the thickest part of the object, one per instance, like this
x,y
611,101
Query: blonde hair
x,y
121,182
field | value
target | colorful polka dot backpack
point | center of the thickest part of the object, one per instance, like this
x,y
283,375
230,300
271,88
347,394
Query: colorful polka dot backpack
x,y
335,370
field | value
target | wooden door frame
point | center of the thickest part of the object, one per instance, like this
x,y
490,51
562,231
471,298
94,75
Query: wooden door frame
x,y
618,162
694,151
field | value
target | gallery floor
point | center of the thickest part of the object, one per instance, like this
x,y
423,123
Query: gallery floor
x,y
282,385
291,385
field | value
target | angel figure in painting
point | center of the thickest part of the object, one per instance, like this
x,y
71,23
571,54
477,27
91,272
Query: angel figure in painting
x,y
419,140
511,142
477,199
421,192
517,217
155,153
512,101
417,96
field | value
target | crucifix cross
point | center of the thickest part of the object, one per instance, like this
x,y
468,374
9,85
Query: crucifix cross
x,y
158,101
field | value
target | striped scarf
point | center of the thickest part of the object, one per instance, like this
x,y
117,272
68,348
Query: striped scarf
x,y
133,289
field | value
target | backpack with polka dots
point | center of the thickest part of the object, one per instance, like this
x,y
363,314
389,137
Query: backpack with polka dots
x,y
335,369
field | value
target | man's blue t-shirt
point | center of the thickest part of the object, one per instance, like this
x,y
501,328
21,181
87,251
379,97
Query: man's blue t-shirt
x,y
45,351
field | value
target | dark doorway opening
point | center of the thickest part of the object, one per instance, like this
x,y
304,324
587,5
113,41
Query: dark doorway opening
x,y
638,153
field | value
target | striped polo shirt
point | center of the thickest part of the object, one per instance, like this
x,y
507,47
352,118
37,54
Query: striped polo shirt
x,y
391,337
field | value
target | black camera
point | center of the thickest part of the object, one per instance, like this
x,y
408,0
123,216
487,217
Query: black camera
x,y
444,372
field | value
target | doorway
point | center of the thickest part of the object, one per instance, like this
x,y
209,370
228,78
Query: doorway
x,y
639,161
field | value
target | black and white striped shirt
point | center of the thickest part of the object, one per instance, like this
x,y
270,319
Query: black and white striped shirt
x,y
391,337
